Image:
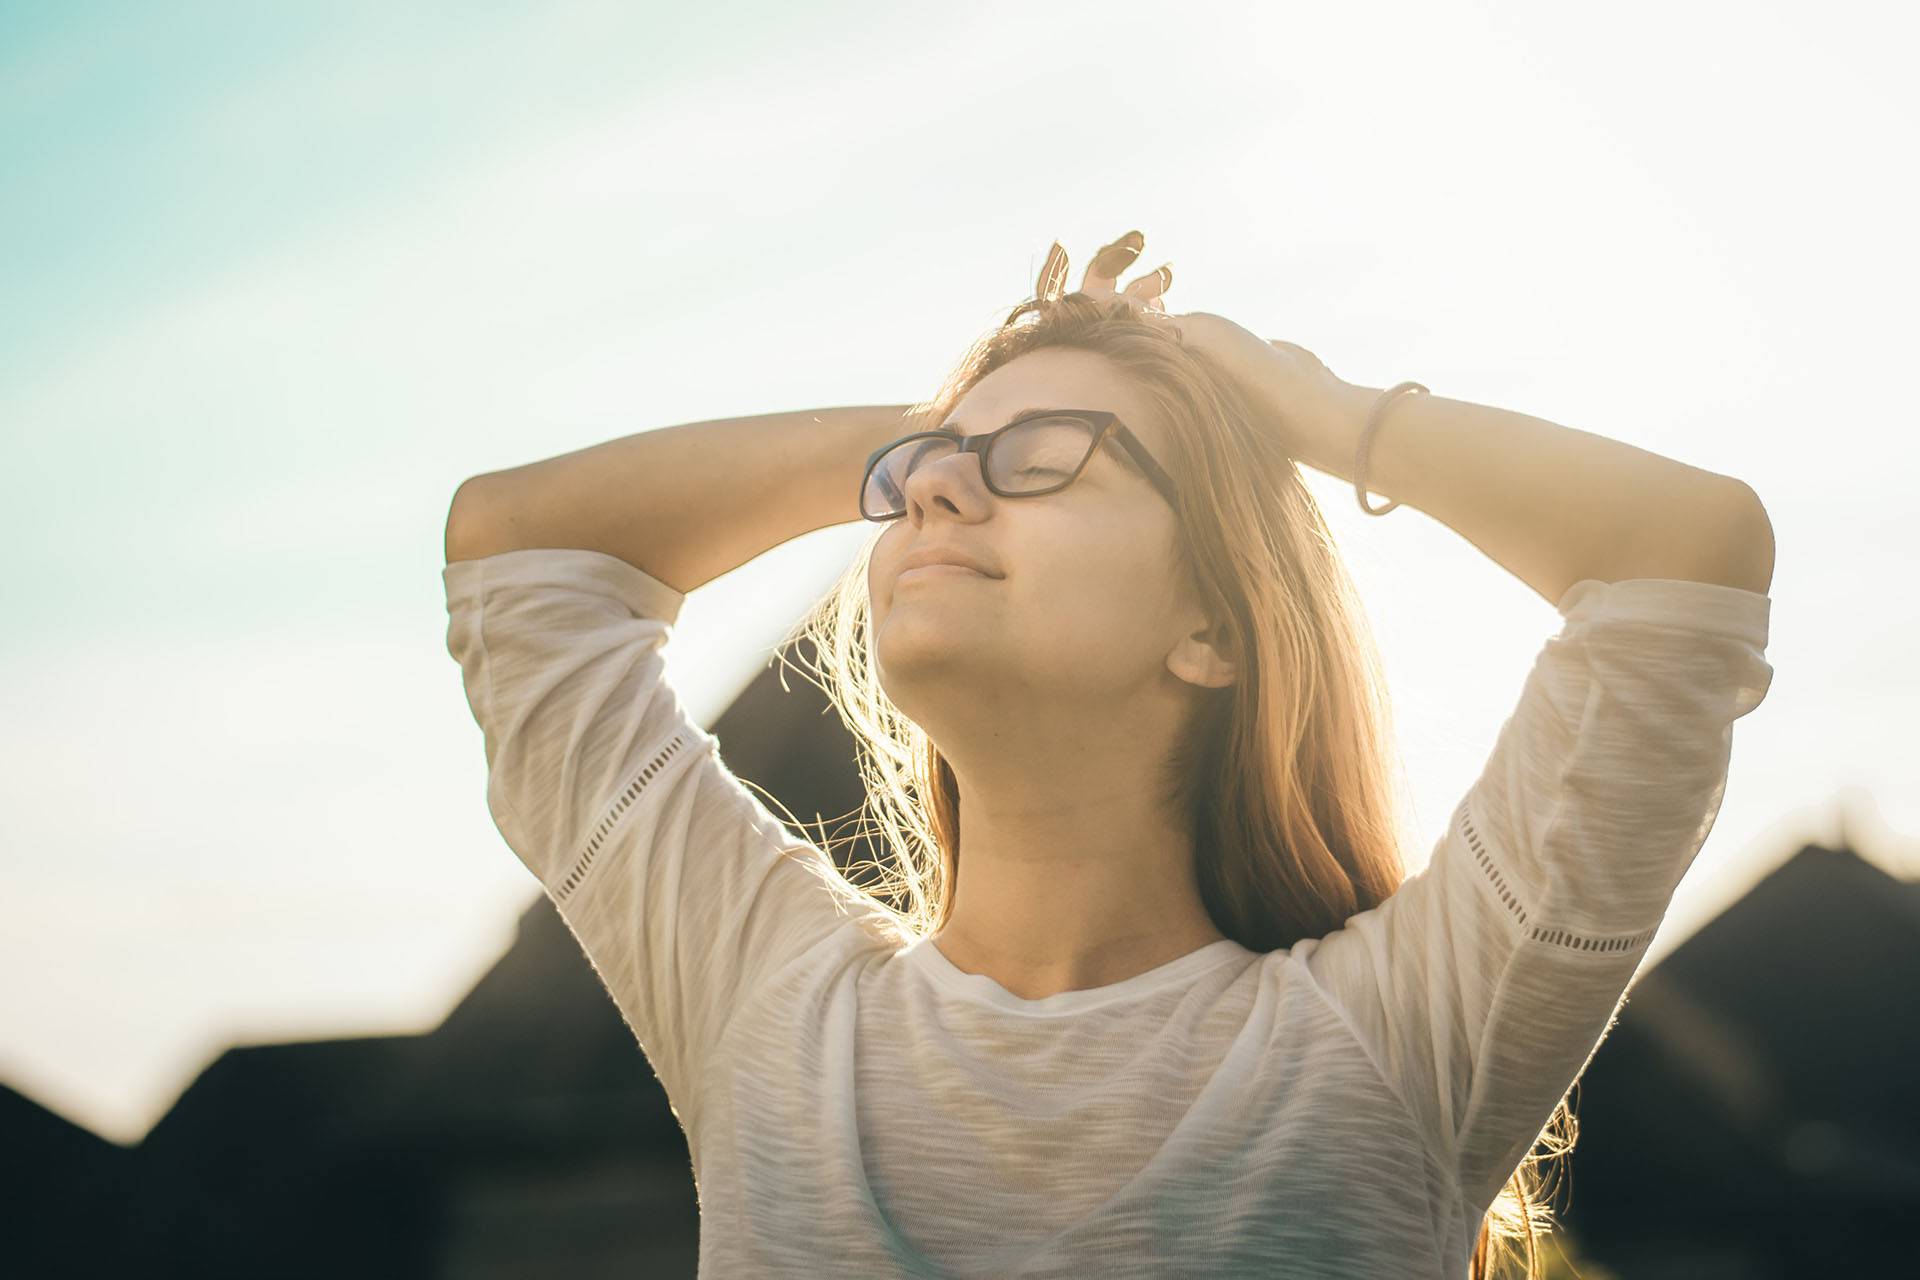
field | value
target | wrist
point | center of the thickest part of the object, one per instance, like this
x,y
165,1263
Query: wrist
x,y
1333,437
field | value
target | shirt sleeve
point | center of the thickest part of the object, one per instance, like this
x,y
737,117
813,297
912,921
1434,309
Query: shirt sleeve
x,y
682,888
1483,985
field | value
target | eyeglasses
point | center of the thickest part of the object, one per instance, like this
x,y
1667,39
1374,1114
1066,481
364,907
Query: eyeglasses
x,y
1037,454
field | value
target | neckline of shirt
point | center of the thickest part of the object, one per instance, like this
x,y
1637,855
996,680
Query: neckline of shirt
x,y
930,960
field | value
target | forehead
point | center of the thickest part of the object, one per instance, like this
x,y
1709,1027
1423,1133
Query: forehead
x,y
1054,378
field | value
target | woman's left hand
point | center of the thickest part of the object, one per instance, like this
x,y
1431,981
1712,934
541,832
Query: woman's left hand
x,y
1315,405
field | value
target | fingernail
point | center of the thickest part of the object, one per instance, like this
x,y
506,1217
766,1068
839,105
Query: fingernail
x,y
1166,276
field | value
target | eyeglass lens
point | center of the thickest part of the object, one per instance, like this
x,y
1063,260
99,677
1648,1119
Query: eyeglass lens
x,y
1037,456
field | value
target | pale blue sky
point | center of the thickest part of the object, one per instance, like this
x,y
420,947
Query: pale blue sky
x,y
277,280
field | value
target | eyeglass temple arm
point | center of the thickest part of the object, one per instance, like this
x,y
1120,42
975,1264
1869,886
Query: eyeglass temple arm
x,y
1138,452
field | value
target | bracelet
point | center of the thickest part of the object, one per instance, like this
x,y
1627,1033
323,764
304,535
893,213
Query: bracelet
x,y
1366,438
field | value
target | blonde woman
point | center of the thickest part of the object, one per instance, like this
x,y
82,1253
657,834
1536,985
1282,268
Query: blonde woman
x,y
1146,990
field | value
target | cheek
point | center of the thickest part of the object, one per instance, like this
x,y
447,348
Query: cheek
x,y
1098,561
1091,596
887,548
881,560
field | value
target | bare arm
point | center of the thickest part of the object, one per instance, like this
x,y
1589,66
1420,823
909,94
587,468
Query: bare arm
x,y
1553,504
685,504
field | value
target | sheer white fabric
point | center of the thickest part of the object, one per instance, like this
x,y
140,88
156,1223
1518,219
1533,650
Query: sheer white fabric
x,y
1347,1106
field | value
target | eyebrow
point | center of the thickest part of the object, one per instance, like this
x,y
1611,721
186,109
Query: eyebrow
x,y
953,424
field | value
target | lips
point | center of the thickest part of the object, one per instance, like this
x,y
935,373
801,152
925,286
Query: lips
x,y
939,570
924,557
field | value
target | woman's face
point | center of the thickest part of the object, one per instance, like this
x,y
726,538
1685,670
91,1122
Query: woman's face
x,y
1085,608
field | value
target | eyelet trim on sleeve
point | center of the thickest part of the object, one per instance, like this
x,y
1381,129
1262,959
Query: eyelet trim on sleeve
x,y
647,773
1463,819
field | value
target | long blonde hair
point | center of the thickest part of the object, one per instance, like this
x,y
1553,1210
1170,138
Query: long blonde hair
x,y
1286,774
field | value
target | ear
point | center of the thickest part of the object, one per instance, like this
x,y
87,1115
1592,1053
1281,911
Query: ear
x,y
1204,657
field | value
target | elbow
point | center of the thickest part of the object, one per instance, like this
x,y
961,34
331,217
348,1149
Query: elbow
x,y
461,518
1750,551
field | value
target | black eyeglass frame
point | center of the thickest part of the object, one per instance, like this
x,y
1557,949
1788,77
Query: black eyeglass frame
x,y
1104,423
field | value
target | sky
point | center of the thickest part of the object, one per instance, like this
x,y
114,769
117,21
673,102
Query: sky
x,y
278,278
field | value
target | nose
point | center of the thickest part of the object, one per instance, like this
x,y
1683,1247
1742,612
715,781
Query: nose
x,y
954,481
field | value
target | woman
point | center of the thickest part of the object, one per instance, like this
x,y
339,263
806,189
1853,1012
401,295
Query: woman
x,y
1145,989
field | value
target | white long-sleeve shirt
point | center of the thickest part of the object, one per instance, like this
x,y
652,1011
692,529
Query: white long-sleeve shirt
x,y
1349,1106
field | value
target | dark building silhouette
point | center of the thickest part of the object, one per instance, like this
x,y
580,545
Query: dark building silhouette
x,y
1756,1111
1753,1114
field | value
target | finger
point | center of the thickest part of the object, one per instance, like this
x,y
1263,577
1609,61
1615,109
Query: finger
x,y
1110,261
1150,286
1052,281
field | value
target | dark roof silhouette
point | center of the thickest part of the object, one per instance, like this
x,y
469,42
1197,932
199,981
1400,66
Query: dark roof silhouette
x,y
55,1179
1757,1099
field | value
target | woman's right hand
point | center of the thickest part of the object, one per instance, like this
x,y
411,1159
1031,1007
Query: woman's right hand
x,y
1143,293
